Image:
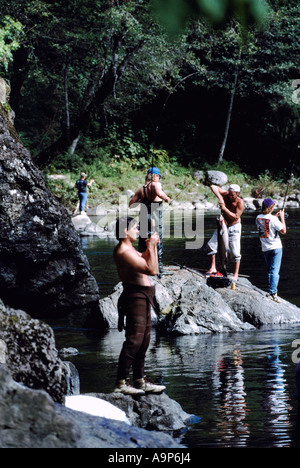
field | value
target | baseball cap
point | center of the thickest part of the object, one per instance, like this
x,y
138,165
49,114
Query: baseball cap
x,y
234,187
268,202
154,170
83,174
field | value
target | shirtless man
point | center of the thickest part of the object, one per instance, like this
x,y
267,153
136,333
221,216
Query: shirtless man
x,y
232,207
151,196
135,304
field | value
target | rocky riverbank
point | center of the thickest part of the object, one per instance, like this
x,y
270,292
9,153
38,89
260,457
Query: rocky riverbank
x,y
99,220
189,306
31,419
35,382
42,269
44,272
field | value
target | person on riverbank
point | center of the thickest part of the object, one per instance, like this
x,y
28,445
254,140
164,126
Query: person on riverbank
x,y
81,185
151,197
135,305
232,207
269,226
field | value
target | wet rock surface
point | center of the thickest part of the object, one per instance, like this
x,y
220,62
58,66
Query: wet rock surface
x,y
30,419
152,412
189,306
42,267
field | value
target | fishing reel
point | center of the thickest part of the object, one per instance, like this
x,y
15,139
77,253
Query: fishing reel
x,y
286,215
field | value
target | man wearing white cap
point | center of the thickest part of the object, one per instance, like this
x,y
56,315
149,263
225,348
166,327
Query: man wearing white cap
x,y
232,207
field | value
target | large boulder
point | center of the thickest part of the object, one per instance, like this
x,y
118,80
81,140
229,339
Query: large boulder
x,y
30,419
189,306
152,412
27,349
42,267
252,305
216,178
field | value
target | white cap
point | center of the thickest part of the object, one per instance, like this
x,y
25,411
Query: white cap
x,y
234,187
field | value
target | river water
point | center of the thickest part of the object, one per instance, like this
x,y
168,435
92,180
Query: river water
x,y
241,385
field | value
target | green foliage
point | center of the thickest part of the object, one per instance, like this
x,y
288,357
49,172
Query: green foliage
x,y
115,176
10,33
175,14
67,47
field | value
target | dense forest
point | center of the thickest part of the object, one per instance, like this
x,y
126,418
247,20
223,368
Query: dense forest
x,y
195,81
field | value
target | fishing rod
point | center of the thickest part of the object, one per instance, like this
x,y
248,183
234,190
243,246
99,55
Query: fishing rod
x,y
189,269
289,180
252,287
160,117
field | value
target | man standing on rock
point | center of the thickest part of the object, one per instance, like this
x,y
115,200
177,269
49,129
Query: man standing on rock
x,y
151,197
135,304
232,207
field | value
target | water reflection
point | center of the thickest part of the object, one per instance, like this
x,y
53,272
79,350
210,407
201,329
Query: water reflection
x,y
242,385
277,400
231,407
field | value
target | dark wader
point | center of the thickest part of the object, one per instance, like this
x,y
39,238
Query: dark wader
x,y
135,304
151,220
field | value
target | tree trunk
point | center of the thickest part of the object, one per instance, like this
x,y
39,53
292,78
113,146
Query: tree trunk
x,y
80,125
228,120
67,98
73,145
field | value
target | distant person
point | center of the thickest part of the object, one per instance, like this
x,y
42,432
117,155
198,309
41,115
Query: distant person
x,y
232,207
269,227
151,196
135,305
81,185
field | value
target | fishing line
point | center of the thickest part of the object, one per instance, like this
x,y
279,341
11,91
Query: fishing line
x,y
289,179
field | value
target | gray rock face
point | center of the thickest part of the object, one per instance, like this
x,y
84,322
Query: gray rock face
x,y
189,306
216,177
42,268
28,351
30,419
33,378
253,306
152,412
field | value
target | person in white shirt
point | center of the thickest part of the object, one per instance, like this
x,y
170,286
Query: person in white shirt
x,y
269,226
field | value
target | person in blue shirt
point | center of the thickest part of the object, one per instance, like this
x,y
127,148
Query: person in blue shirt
x,y
81,185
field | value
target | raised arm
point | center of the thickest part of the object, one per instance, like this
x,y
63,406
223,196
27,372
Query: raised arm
x,y
131,262
219,192
281,215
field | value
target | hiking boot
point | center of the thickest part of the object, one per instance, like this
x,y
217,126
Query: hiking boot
x,y
147,386
275,298
123,386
